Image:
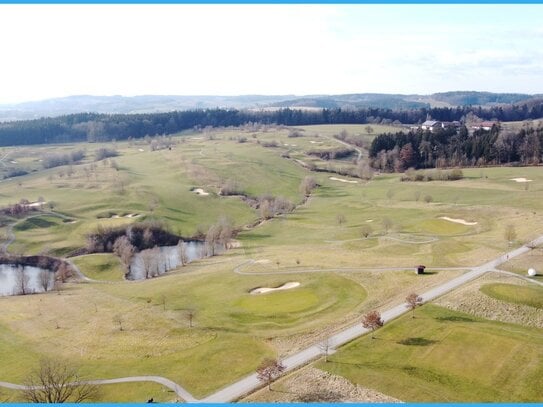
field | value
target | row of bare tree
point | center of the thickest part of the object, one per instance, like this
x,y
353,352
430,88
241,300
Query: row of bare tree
x,y
270,369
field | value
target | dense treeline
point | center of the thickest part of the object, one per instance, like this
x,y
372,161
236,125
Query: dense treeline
x,y
94,127
452,147
143,235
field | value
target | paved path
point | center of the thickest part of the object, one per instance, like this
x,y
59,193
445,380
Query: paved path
x,y
180,391
531,280
358,150
250,383
239,269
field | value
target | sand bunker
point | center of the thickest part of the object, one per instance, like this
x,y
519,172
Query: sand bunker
x,y
13,162
141,149
200,191
369,221
286,286
522,179
315,142
343,180
263,261
196,138
35,204
132,215
461,221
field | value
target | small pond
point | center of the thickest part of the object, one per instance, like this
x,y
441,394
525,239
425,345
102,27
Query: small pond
x,y
154,262
17,280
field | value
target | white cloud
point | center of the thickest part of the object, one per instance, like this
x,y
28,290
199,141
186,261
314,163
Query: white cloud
x,y
57,50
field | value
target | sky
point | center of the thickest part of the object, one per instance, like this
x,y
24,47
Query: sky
x,y
60,50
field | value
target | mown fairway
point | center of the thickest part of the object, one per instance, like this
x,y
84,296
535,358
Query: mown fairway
x,y
443,355
320,245
532,296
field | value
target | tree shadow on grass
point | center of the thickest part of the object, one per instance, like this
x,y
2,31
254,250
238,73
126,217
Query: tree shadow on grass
x,y
418,341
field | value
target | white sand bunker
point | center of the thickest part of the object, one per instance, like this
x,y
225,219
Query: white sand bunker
x,y
263,261
141,149
315,142
200,191
461,221
286,286
369,221
35,204
343,180
132,215
521,179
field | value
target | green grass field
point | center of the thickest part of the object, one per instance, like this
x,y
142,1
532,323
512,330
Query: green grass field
x,y
446,356
525,295
100,266
234,330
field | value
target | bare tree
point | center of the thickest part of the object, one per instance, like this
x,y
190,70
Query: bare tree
x,y
57,382
265,209
118,319
226,231
510,233
124,249
372,320
307,185
366,230
387,224
212,238
182,251
190,314
63,272
325,346
413,300
22,280
268,370
45,279
148,239
163,302
149,259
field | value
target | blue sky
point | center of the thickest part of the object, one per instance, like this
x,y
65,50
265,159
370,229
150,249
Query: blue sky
x,y
60,50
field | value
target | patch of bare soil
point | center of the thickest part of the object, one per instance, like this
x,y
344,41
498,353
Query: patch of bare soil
x,y
314,385
472,301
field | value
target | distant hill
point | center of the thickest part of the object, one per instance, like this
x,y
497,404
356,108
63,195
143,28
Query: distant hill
x,y
158,103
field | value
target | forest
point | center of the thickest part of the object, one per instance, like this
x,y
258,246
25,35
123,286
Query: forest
x,y
453,147
94,127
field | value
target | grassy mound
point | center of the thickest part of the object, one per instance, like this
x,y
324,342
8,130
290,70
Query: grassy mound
x,y
104,266
38,222
517,294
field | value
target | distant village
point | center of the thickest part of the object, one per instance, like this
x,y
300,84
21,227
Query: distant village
x,y
435,124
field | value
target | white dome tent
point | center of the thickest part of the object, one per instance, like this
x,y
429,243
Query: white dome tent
x,y
531,272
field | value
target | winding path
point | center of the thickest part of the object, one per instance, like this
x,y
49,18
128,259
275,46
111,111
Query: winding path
x,y
251,382
180,391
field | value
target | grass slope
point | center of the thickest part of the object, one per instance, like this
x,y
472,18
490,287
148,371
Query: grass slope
x,y
532,296
443,355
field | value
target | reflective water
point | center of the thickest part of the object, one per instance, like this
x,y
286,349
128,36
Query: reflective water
x,y
153,262
17,280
